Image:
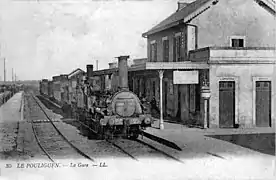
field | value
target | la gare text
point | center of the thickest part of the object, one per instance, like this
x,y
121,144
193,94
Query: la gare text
x,y
57,165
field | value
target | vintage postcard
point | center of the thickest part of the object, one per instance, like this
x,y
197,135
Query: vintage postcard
x,y
137,89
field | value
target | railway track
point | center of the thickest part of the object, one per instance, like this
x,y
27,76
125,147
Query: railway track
x,y
110,142
49,138
138,148
131,147
134,148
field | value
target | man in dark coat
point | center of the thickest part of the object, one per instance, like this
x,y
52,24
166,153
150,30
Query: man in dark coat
x,y
154,105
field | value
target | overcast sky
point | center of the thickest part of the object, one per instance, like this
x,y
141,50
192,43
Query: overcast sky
x,y
51,37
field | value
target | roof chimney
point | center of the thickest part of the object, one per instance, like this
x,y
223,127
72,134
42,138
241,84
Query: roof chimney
x,y
89,70
181,4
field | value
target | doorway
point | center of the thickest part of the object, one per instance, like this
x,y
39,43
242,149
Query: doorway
x,y
263,103
226,104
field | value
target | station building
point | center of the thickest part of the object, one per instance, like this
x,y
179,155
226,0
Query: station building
x,y
228,45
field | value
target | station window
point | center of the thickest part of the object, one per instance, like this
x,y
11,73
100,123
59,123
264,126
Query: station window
x,y
177,48
165,50
153,52
237,41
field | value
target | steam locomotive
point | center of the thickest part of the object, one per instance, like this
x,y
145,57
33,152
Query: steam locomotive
x,y
108,113
120,112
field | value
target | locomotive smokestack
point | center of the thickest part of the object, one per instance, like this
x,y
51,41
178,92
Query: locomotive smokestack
x,y
123,72
89,70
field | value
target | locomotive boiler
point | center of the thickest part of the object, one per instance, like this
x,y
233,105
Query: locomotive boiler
x,y
117,113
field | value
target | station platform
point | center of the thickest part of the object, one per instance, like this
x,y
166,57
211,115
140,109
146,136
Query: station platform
x,y
227,158
10,116
168,125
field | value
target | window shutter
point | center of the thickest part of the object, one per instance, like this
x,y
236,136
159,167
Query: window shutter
x,y
167,50
174,49
155,52
179,48
150,55
152,52
164,51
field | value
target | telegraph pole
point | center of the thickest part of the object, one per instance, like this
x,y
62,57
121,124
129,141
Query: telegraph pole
x,y
97,65
4,66
4,70
12,74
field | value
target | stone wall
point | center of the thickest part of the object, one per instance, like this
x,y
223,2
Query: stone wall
x,y
243,74
236,18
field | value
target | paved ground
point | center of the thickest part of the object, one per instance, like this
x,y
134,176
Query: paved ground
x,y
261,142
221,158
9,119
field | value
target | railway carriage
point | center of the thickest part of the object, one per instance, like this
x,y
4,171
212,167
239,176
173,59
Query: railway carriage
x,y
44,87
64,89
50,89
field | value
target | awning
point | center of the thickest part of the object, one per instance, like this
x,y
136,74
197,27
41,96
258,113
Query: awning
x,y
185,65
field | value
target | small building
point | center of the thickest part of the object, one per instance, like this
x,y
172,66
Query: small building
x,y
241,83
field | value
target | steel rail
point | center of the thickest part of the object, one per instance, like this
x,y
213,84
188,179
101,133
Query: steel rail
x,y
158,150
121,149
138,141
39,143
50,120
112,143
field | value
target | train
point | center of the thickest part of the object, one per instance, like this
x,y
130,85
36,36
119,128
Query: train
x,y
109,112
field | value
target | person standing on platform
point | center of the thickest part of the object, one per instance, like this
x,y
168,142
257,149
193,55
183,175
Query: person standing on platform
x,y
154,105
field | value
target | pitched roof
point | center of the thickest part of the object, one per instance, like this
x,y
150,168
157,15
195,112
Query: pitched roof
x,y
269,5
185,14
76,71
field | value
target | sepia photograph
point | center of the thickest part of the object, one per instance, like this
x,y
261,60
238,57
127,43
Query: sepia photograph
x,y
137,89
